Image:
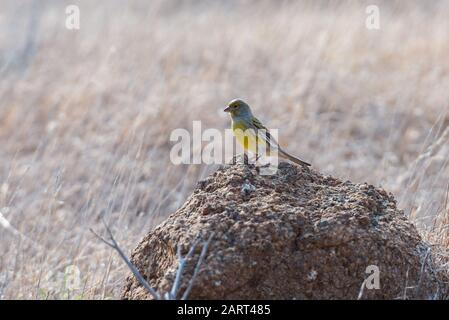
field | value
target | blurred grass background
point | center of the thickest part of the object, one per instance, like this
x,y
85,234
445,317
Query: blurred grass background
x,y
85,116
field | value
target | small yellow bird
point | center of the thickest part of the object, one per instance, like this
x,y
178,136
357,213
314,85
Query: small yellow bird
x,y
252,134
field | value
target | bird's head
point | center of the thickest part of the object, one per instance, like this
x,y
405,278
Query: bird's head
x,y
238,108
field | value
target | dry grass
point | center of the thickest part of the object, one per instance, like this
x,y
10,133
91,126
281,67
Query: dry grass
x,y
85,116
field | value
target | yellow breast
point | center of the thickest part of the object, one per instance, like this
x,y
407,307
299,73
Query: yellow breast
x,y
247,138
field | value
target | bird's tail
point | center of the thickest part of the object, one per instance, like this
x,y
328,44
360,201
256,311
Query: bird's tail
x,y
287,156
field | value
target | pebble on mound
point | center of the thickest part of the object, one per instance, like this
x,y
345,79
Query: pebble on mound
x,y
293,235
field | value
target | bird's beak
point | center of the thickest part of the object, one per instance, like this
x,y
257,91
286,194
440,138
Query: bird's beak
x,y
228,109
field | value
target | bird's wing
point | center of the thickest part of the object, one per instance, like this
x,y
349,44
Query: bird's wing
x,y
266,134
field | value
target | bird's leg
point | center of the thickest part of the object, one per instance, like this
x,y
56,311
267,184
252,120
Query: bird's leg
x,y
245,158
256,154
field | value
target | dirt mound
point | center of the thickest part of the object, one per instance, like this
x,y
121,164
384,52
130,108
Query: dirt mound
x,y
293,235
